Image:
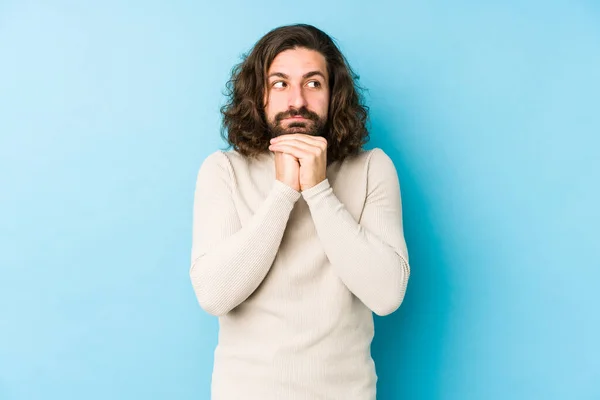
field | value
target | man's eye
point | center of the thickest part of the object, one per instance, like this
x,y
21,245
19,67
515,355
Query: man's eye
x,y
279,84
314,83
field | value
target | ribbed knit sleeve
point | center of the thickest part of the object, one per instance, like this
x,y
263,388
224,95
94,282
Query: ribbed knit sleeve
x,y
229,261
369,256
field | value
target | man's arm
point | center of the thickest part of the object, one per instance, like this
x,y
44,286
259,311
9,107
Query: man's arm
x,y
230,261
370,257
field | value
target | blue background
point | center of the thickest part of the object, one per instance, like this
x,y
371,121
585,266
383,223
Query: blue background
x,y
490,111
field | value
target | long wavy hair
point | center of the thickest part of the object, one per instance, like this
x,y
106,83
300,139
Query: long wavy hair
x,y
244,125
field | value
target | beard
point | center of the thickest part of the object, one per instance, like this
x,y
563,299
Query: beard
x,y
315,126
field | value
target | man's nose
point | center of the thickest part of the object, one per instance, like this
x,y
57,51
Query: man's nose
x,y
297,99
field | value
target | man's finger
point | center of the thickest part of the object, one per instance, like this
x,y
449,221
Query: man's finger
x,y
294,150
313,140
314,148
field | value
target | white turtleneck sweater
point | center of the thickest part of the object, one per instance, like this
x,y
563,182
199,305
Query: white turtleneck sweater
x,y
294,277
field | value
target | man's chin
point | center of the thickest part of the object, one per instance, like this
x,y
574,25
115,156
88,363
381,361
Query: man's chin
x,y
292,130
298,129
295,128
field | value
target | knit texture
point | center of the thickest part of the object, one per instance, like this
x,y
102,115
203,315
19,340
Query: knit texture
x,y
295,277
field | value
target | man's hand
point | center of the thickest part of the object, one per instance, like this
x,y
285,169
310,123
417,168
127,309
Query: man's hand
x,y
287,170
311,153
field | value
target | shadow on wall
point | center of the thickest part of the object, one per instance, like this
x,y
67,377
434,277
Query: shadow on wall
x,y
408,344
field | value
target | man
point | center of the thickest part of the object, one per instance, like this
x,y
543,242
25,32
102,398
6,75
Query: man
x,y
297,231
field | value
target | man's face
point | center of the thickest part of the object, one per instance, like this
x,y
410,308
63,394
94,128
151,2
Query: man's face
x,y
297,93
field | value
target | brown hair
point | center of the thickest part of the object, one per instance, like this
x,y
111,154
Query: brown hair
x,y
244,124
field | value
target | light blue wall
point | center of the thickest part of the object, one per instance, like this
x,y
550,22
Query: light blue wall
x,y
490,112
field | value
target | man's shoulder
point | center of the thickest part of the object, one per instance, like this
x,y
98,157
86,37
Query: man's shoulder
x,y
373,163
233,163
225,157
234,156
214,161
366,156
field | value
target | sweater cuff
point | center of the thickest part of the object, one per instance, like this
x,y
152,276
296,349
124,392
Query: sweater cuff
x,y
313,192
285,191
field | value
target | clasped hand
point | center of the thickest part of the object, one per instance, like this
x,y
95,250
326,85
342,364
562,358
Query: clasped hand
x,y
300,160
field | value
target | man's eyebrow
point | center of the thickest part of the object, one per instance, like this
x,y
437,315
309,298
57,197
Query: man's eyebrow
x,y
307,75
279,75
313,73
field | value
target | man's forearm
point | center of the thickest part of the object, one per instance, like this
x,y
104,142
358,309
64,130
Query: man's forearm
x,y
230,261
373,270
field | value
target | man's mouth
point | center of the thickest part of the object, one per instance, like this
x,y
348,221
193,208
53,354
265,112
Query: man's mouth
x,y
296,117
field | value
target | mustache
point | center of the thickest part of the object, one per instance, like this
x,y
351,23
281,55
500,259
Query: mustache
x,y
303,112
